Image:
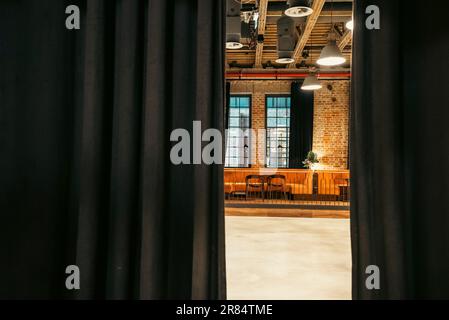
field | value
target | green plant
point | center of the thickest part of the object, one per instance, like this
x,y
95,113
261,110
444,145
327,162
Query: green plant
x,y
311,160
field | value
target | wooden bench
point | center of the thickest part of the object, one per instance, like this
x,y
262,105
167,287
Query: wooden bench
x,y
298,182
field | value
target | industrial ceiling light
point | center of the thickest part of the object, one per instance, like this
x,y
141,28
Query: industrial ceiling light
x,y
233,45
298,8
285,60
331,55
311,83
350,25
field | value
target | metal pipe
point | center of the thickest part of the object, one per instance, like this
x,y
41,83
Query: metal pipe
x,y
232,75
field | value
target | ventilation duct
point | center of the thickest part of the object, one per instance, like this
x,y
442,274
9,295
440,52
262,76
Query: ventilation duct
x,y
287,38
233,24
299,8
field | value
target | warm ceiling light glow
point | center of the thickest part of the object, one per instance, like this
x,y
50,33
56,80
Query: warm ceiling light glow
x,y
331,55
311,83
331,61
234,45
350,25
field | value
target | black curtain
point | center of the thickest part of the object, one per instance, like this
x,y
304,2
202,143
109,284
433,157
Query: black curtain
x,y
301,125
228,104
400,151
85,123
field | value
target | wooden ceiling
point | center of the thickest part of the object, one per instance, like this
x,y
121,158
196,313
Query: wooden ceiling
x,y
314,32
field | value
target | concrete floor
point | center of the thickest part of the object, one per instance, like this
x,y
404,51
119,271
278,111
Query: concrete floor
x,y
288,258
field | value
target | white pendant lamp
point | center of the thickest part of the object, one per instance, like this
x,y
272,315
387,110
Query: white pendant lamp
x,y
331,55
311,83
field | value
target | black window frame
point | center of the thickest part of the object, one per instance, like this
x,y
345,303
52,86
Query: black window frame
x,y
240,95
267,96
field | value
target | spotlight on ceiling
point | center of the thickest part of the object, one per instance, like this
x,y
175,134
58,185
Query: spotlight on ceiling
x,y
331,55
299,8
350,25
311,83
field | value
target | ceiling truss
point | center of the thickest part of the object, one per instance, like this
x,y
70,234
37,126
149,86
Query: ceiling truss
x,y
315,30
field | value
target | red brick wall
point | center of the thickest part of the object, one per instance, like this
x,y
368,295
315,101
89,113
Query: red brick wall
x,y
331,125
330,137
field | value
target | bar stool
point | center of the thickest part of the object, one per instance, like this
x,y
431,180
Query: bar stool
x,y
277,184
254,186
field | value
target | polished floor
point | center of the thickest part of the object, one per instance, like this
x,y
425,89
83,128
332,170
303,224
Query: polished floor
x,y
286,213
288,258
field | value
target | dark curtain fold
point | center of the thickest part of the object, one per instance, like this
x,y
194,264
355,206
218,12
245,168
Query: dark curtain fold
x,y
86,177
399,151
228,104
301,125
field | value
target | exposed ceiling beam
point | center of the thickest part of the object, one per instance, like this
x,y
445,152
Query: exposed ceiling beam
x,y
263,6
343,13
310,24
344,40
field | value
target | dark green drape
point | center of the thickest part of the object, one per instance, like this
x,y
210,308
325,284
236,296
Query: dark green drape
x,y
86,177
400,151
301,125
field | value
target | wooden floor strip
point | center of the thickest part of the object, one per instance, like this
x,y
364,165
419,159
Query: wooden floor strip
x,y
287,213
